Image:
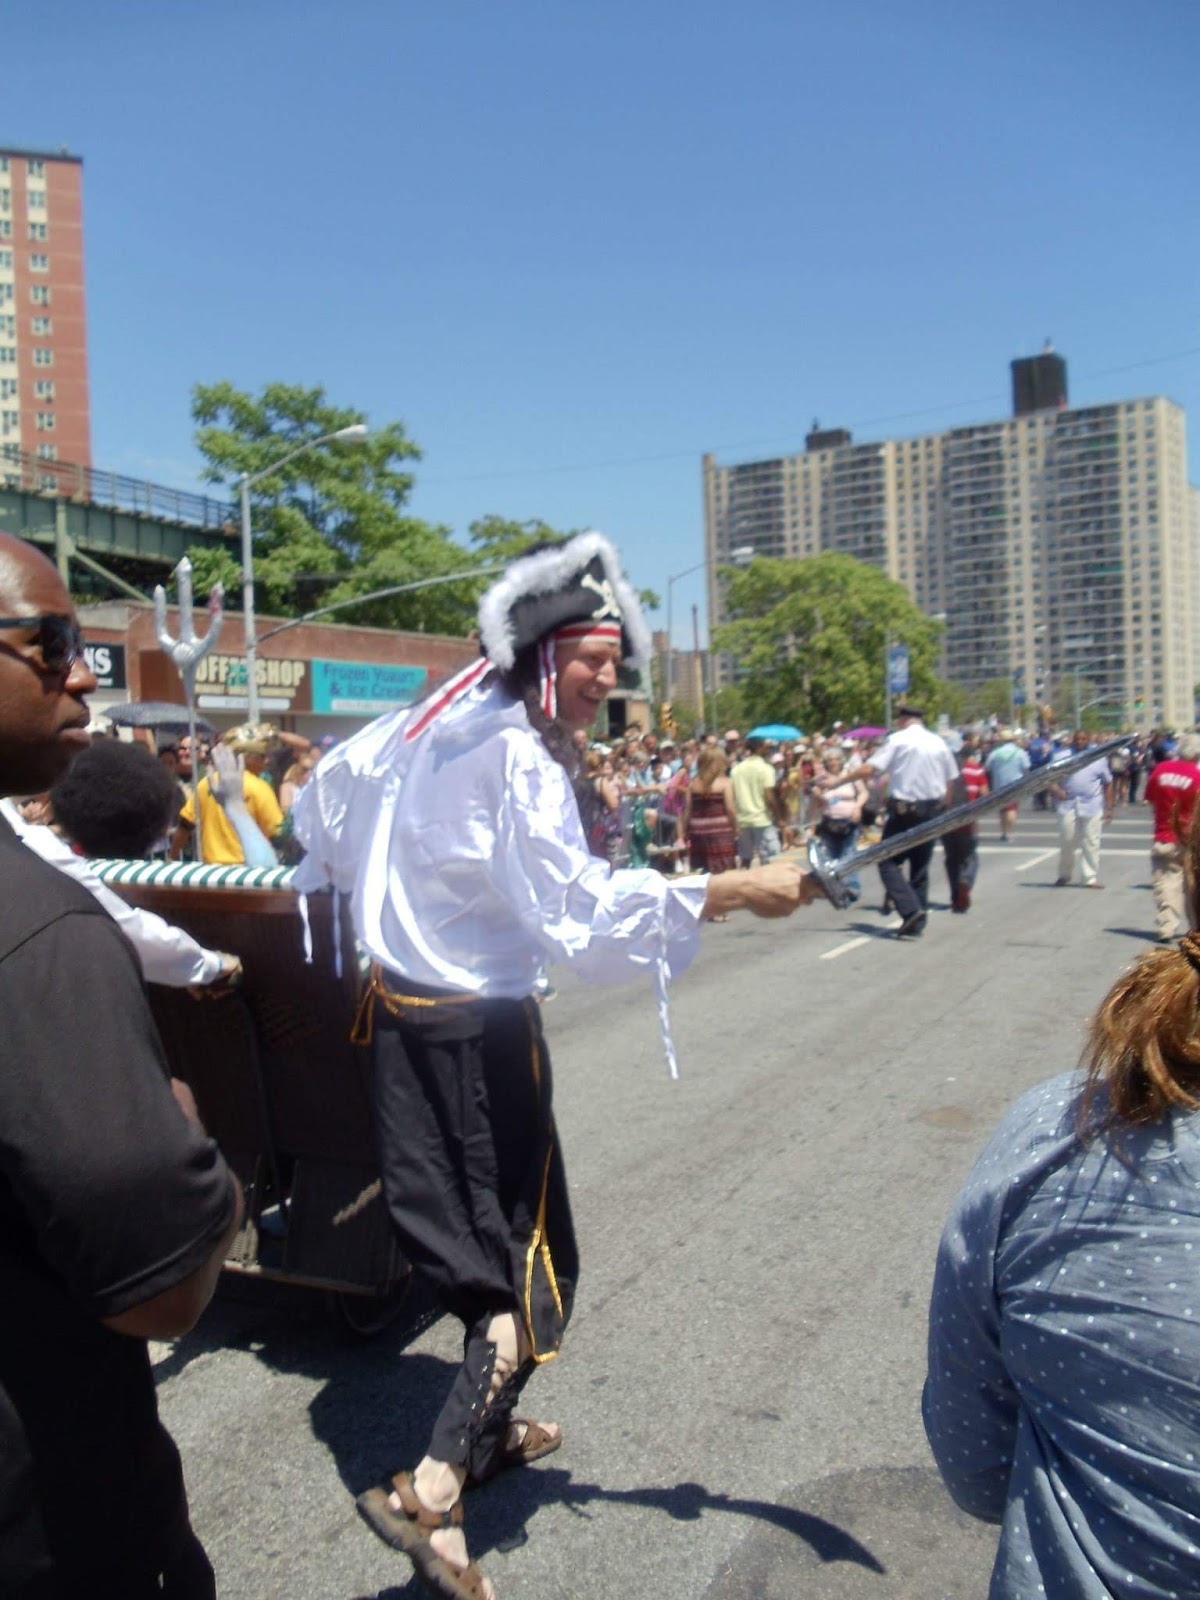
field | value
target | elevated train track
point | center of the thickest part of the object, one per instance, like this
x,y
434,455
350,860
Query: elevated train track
x,y
105,530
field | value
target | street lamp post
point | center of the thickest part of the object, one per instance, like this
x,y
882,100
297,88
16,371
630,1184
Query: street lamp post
x,y
669,676
738,558
356,430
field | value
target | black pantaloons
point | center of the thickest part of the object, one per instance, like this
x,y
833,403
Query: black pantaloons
x,y
474,1181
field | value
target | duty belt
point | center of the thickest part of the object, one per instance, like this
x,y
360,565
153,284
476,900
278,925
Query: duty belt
x,y
913,808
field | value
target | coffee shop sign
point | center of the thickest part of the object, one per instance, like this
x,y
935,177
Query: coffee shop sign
x,y
221,682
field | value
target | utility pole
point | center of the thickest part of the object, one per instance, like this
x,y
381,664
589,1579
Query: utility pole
x,y
698,667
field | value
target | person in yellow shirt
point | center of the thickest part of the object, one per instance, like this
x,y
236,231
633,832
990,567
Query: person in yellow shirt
x,y
218,836
758,804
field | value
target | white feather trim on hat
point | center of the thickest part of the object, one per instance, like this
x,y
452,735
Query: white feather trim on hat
x,y
546,572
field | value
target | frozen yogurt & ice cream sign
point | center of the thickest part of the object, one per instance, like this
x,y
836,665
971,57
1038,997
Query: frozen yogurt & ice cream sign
x,y
364,688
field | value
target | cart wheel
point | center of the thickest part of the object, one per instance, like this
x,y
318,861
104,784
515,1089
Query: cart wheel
x,y
369,1314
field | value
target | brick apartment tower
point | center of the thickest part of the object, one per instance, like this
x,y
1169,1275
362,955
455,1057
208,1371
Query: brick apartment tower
x,y
44,409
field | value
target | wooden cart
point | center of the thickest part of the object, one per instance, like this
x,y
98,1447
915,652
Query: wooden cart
x,y
276,1079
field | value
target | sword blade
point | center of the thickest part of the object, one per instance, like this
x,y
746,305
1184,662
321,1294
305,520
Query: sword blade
x,y
830,872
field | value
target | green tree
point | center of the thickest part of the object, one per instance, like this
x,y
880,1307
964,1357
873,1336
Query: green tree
x,y
809,638
727,709
973,702
1065,693
498,540
952,699
331,524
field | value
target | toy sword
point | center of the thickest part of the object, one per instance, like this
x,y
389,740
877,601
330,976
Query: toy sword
x,y
831,872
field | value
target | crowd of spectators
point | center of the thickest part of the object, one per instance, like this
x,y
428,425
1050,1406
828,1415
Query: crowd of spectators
x,y
703,804
650,800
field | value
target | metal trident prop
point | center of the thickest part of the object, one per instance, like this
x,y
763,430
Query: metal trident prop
x,y
186,652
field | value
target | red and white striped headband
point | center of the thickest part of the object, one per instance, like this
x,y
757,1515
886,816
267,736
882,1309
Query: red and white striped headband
x,y
464,682
573,632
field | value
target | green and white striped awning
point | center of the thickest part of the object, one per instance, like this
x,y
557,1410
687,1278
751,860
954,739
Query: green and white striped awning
x,y
192,875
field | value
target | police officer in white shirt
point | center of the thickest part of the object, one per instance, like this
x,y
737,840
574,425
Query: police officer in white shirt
x,y
919,769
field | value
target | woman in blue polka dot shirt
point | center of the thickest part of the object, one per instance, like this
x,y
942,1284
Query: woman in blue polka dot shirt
x,y
1063,1395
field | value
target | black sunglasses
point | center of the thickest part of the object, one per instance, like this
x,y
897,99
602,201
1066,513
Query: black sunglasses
x,y
58,639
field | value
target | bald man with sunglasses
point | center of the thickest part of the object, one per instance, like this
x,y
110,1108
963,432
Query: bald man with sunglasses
x,y
116,1211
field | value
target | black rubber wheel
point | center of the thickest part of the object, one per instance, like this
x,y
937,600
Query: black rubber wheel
x,y
369,1314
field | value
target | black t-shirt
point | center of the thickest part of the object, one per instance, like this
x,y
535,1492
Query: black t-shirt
x,y
108,1196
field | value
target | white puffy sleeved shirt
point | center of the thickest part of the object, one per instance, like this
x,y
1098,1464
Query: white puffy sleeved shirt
x,y
166,953
466,860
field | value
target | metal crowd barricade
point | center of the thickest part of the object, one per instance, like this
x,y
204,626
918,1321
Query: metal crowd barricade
x,y
277,1082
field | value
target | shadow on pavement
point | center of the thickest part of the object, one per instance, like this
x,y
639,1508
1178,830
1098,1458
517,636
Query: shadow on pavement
x,y
686,1501
376,1415
933,1550
375,1409
1134,933
498,1517
290,1328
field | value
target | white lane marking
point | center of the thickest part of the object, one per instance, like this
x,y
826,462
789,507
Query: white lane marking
x,y
1115,850
1010,849
851,944
1036,861
1019,850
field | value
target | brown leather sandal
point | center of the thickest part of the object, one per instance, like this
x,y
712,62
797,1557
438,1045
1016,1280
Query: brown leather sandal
x,y
408,1530
535,1444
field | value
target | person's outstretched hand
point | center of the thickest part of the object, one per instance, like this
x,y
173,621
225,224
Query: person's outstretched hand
x,y
775,890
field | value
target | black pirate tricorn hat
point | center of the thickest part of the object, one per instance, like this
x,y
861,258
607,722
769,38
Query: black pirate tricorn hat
x,y
576,582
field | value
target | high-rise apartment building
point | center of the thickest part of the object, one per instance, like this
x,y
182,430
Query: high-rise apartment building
x,y
43,325
1059,544
1039,383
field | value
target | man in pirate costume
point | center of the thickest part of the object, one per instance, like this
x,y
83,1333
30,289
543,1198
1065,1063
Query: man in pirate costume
x,y
454,828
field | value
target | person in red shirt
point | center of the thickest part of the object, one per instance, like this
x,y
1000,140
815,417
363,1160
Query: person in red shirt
x,y
962,860
974,777
1172,791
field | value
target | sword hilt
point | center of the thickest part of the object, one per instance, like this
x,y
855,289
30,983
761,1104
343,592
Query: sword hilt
x,y
821,864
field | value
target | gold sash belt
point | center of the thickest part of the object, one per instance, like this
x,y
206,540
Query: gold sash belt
x,y
363,1030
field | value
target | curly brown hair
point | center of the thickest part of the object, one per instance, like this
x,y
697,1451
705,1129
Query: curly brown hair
x,y
1143,1047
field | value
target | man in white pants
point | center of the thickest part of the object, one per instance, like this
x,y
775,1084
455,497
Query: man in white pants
x,y
1084,805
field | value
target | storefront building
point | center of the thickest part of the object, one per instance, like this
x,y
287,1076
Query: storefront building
x,y
314,679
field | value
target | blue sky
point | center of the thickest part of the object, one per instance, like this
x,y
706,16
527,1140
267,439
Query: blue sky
x,y
573,247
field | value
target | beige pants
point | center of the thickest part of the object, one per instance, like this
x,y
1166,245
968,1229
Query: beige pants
x,y
1170,895
1082,834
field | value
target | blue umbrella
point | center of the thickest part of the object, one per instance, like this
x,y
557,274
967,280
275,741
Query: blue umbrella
x,y
780,732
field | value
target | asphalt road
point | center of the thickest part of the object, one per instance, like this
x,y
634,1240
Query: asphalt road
x,y
740,1389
